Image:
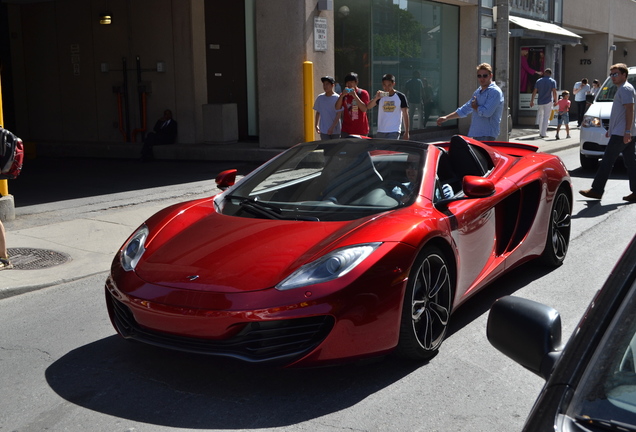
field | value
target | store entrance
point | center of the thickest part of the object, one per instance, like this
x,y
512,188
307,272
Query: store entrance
x,y
225,57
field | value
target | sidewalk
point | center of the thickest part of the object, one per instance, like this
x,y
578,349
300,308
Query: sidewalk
x,y
90,231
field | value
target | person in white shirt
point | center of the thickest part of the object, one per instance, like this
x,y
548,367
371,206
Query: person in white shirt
x,y
327,120
581,90
394,109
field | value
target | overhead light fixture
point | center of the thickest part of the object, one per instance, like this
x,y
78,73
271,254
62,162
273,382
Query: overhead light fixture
x,y
105,18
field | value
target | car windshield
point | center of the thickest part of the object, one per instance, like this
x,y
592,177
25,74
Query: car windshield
x,y
334,180
608,90
608,392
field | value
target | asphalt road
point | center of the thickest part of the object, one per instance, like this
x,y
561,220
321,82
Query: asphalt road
x,y
63,368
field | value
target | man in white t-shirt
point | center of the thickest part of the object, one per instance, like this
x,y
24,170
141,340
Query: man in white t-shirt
x,y
394,109
327,121
581,90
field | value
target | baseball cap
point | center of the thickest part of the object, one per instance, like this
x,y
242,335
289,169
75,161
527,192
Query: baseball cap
x,y
328,78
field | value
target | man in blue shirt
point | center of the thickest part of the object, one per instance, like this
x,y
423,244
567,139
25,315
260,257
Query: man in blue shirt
x,y
546,88
486,106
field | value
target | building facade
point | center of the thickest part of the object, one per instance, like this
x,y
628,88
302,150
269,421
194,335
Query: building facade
x,y
234,70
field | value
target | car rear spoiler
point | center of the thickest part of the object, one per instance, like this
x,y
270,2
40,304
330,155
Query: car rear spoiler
x,y
513,149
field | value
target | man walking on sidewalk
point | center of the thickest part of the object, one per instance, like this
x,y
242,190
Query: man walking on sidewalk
x,y
621,136
546,88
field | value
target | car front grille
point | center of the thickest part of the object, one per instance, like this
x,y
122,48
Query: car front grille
x,y
592,146
258,342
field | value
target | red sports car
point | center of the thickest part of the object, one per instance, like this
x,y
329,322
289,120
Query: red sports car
x,y
339,249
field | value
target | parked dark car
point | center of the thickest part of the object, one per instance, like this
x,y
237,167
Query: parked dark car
x,y
591,383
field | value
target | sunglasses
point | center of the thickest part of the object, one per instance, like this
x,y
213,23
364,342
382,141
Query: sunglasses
x,y
615,74
483,76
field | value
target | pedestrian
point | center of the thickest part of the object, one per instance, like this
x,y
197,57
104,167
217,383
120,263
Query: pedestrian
x,y
545,88
5,264
486,107
621,136
596,87
429,101
327,121
581,90
394,109
353,101
414,91
164,132
564,113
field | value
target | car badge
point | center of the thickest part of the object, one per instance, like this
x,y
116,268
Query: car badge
x,y
193,277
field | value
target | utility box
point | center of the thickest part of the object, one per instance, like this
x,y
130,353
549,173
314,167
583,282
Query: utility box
x,y
220,123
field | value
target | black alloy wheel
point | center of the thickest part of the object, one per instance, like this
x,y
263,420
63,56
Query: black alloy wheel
x,y
427,306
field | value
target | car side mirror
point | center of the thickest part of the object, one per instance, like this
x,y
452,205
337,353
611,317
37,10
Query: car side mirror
x,y
477,187
226,179
526,331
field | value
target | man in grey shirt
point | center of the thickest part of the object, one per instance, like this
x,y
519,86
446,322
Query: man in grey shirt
x,y
621,136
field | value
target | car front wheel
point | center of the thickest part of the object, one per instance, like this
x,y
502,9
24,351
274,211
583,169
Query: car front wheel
x,y
588,163
427,306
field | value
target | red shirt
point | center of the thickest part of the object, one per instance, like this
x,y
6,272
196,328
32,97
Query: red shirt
x,y
354,121
564,105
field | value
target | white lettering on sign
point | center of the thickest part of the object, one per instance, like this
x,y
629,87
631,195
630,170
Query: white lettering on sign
x,y
530,8
320,34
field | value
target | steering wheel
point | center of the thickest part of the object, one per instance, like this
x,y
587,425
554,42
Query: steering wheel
x,y
392,184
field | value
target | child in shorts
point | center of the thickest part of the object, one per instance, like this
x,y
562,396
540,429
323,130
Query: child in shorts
x,y
564,113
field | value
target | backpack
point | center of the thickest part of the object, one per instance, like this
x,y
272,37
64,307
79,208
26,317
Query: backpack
x,y
11,154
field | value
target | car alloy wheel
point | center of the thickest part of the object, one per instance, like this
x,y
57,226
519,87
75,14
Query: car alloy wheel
x,y
556,246
427,306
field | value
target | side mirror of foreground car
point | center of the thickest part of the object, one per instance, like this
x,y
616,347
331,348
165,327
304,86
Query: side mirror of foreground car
x,y
526,331
226,179
477,187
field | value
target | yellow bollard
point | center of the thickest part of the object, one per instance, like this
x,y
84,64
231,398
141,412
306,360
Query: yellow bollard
x,y
308,96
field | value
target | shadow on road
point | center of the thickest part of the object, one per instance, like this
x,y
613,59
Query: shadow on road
x,y
45,180
161,387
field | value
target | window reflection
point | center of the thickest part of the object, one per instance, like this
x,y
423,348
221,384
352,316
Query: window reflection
x,y
415,40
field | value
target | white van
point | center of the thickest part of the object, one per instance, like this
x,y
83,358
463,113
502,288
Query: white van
x,y
596,122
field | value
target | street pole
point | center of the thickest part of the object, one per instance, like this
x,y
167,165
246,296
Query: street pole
x,y
502,63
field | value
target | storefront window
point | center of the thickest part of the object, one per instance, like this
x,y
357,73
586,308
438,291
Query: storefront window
x,y
411,39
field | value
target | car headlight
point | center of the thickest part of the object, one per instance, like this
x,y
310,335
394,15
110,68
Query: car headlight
x,y
589,121
134,248
329,267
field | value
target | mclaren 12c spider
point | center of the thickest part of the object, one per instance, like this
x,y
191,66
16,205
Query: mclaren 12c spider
x,y
339,249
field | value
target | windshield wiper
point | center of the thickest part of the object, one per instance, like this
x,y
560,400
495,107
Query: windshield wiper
x,y
260,208
610,425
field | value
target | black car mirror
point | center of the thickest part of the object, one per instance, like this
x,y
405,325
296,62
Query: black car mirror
x,y
526,331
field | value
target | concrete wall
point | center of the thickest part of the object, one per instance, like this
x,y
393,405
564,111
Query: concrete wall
x,y
611,23
280,56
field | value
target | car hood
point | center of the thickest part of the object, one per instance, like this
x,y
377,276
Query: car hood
x,y
600,109
233,254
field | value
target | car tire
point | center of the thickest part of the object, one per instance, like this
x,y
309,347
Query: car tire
x,y
556,245
427,306
588,163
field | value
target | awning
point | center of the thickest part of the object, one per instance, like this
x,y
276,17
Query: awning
x,y
542,30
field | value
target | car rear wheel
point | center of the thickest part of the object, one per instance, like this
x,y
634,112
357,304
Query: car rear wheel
x,y
558,240
588,163
427,306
